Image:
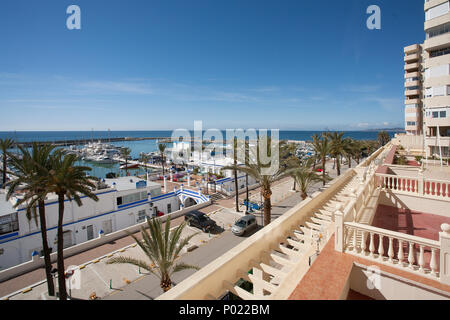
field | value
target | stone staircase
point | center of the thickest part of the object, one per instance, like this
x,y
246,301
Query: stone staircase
x,y
275,265
217,196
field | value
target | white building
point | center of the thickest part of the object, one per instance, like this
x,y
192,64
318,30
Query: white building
x,y
124,202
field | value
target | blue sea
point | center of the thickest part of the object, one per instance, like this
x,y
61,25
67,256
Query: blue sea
x,y
100,170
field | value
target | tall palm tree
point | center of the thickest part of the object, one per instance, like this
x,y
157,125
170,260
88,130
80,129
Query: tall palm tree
x,y
162,247
321,147
5,144
257,170
337,148
305,176
162,149
144,159
69,181
30,174
383,138
349,150
125,152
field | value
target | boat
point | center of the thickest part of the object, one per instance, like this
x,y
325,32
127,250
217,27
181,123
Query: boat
x,y
129,166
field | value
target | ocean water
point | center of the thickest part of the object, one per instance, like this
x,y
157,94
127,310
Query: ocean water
x,y
100,170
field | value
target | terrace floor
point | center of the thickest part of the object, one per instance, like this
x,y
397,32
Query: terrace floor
x,y
420,224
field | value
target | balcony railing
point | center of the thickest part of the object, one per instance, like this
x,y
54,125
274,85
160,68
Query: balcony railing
x,y
420,186
410,253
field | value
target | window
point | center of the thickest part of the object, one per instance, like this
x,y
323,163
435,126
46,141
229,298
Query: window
x,y
141,216
412,88
442,114
411,123
440,52
129,198
169,208
9,223
437,11
435,114
437,31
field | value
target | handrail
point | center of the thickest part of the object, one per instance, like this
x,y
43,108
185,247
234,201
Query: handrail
x,y
394,234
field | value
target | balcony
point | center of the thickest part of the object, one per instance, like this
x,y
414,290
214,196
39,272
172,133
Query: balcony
x,y
412,101
412,66
437,21
412,58
412,75
437,42
415,92
415,83
411,48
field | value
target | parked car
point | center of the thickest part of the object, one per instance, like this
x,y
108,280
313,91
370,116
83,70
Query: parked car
x,y
244,224
200,220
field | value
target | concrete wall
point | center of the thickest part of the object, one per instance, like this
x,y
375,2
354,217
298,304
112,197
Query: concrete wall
x,y
415,203
381,285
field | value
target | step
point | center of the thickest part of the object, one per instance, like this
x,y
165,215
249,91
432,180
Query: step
x,y
321,222
301,247
314,226
323,217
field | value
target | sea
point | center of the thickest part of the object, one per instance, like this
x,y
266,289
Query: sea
x,y
100,170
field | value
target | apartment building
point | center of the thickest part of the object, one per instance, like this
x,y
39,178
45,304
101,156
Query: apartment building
x,y
427,81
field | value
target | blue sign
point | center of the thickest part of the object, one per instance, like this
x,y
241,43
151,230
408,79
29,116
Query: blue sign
x,y
141,184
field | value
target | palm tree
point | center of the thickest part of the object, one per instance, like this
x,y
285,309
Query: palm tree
x,y
162,247
31,172
144,159
162,149
125,152
349,150
69,181
305,176
257,170
337,148
5,144
321,147
383,138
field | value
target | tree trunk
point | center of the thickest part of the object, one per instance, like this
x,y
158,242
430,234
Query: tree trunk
x,y
324,160
266,193
304,195
338,165
166,283
246,190
4,171
46,249
295,185
349,162
61,270
236,186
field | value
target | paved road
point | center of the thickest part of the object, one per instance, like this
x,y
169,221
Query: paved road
x,y
148,287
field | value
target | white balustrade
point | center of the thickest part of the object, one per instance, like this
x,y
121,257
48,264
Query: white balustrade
x,y
397,241
419,186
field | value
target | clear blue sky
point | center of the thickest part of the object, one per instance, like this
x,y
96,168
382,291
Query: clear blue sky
x,y
154,65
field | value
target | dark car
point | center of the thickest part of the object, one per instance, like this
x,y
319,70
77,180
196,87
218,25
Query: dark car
x,y
200,220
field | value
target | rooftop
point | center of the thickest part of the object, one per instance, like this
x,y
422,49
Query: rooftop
x,y
130,183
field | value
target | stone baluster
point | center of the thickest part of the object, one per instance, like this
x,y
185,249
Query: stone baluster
x,y
355,240
372,245
411,255
433,263
363,242
380,248
391,250
401,254
421,260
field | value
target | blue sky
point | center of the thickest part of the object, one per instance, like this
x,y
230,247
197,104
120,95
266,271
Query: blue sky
x,y
155,65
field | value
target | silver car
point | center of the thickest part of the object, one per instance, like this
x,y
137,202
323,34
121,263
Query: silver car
x,y
244,224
